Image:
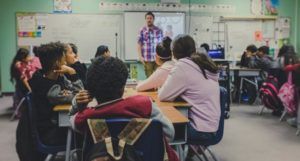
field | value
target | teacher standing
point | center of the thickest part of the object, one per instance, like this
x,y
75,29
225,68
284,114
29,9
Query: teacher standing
x,y
149,36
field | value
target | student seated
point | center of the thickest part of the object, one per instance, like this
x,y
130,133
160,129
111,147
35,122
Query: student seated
x,y
106,79
21,70
163,59
102,50
260,59
49,88
73,62
250,51
194,79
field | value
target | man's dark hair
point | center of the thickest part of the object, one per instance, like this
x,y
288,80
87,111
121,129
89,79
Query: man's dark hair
x,y
50,53
74,48
106,78
264,49
251,48
205,46
150,13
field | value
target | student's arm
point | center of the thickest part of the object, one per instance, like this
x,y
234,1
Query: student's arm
x,y
155,80
174,86
167,126
25,82
56,95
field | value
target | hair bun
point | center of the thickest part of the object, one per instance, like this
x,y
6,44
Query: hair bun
x,y
167,42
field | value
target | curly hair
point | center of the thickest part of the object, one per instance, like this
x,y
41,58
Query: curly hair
x,y
106,78
50,53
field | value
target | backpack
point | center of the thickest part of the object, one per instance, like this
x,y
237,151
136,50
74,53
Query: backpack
x,y
106,148
268,94
287,95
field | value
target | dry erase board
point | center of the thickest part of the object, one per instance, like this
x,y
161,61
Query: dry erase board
x,y
134,21
87,31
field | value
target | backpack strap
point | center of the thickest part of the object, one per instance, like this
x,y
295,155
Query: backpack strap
x,y
98,129
290,78
134,129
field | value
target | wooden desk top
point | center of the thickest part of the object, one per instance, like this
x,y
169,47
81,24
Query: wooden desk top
x,y
167,107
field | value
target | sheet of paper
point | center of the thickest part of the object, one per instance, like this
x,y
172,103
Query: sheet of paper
x,y
26,23
62,6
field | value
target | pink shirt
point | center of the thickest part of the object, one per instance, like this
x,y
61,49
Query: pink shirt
x,y
157,78
187,81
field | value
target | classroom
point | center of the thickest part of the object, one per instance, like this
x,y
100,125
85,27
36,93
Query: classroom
x,y
150,80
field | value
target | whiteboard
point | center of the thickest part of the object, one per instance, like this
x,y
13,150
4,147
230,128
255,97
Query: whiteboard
x,y
134,21
241,34
87,31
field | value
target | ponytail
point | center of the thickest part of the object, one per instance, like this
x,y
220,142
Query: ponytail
x,y
204,63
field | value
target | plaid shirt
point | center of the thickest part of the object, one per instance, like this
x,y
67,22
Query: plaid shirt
x,y
149,38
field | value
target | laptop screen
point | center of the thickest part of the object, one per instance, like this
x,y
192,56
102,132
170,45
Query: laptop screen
x,y
216,54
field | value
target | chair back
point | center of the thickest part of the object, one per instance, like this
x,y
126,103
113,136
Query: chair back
x,y
34,132
150,145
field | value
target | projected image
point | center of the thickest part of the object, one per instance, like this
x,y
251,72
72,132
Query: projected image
x,y
171,24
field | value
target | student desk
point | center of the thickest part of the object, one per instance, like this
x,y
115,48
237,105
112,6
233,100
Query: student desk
x,y
177,118
245,73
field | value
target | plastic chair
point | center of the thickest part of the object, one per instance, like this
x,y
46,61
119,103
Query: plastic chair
x,y
204,146
51,151
150,144
15,113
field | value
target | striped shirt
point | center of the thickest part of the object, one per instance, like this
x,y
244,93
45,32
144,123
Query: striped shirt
x,y
148,38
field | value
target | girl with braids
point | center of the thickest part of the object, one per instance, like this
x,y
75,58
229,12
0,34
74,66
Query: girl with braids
x,y
163,59
194,79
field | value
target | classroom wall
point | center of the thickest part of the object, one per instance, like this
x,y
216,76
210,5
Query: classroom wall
x,y
10,7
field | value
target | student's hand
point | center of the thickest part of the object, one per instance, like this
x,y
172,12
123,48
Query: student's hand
x,y
65,70
83,97
142,60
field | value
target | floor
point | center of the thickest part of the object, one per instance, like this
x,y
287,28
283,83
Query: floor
x,y
248,136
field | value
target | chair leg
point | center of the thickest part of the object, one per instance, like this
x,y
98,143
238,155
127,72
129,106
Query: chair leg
x,y
17,109
195,150
282,115
241,88
261,110
298,132
203,152
50,157
212,154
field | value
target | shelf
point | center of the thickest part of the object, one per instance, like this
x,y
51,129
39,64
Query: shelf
x,y
247,18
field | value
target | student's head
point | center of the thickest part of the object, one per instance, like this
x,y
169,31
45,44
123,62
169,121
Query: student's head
x,y
149,17
106,78
74,48
163,51
251,49
21,56
52,56
183,46
102,50
205,46
71,57
35,51
286,49
263,50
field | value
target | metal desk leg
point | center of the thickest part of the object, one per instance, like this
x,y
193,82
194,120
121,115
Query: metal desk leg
x,y
68,146
241,88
